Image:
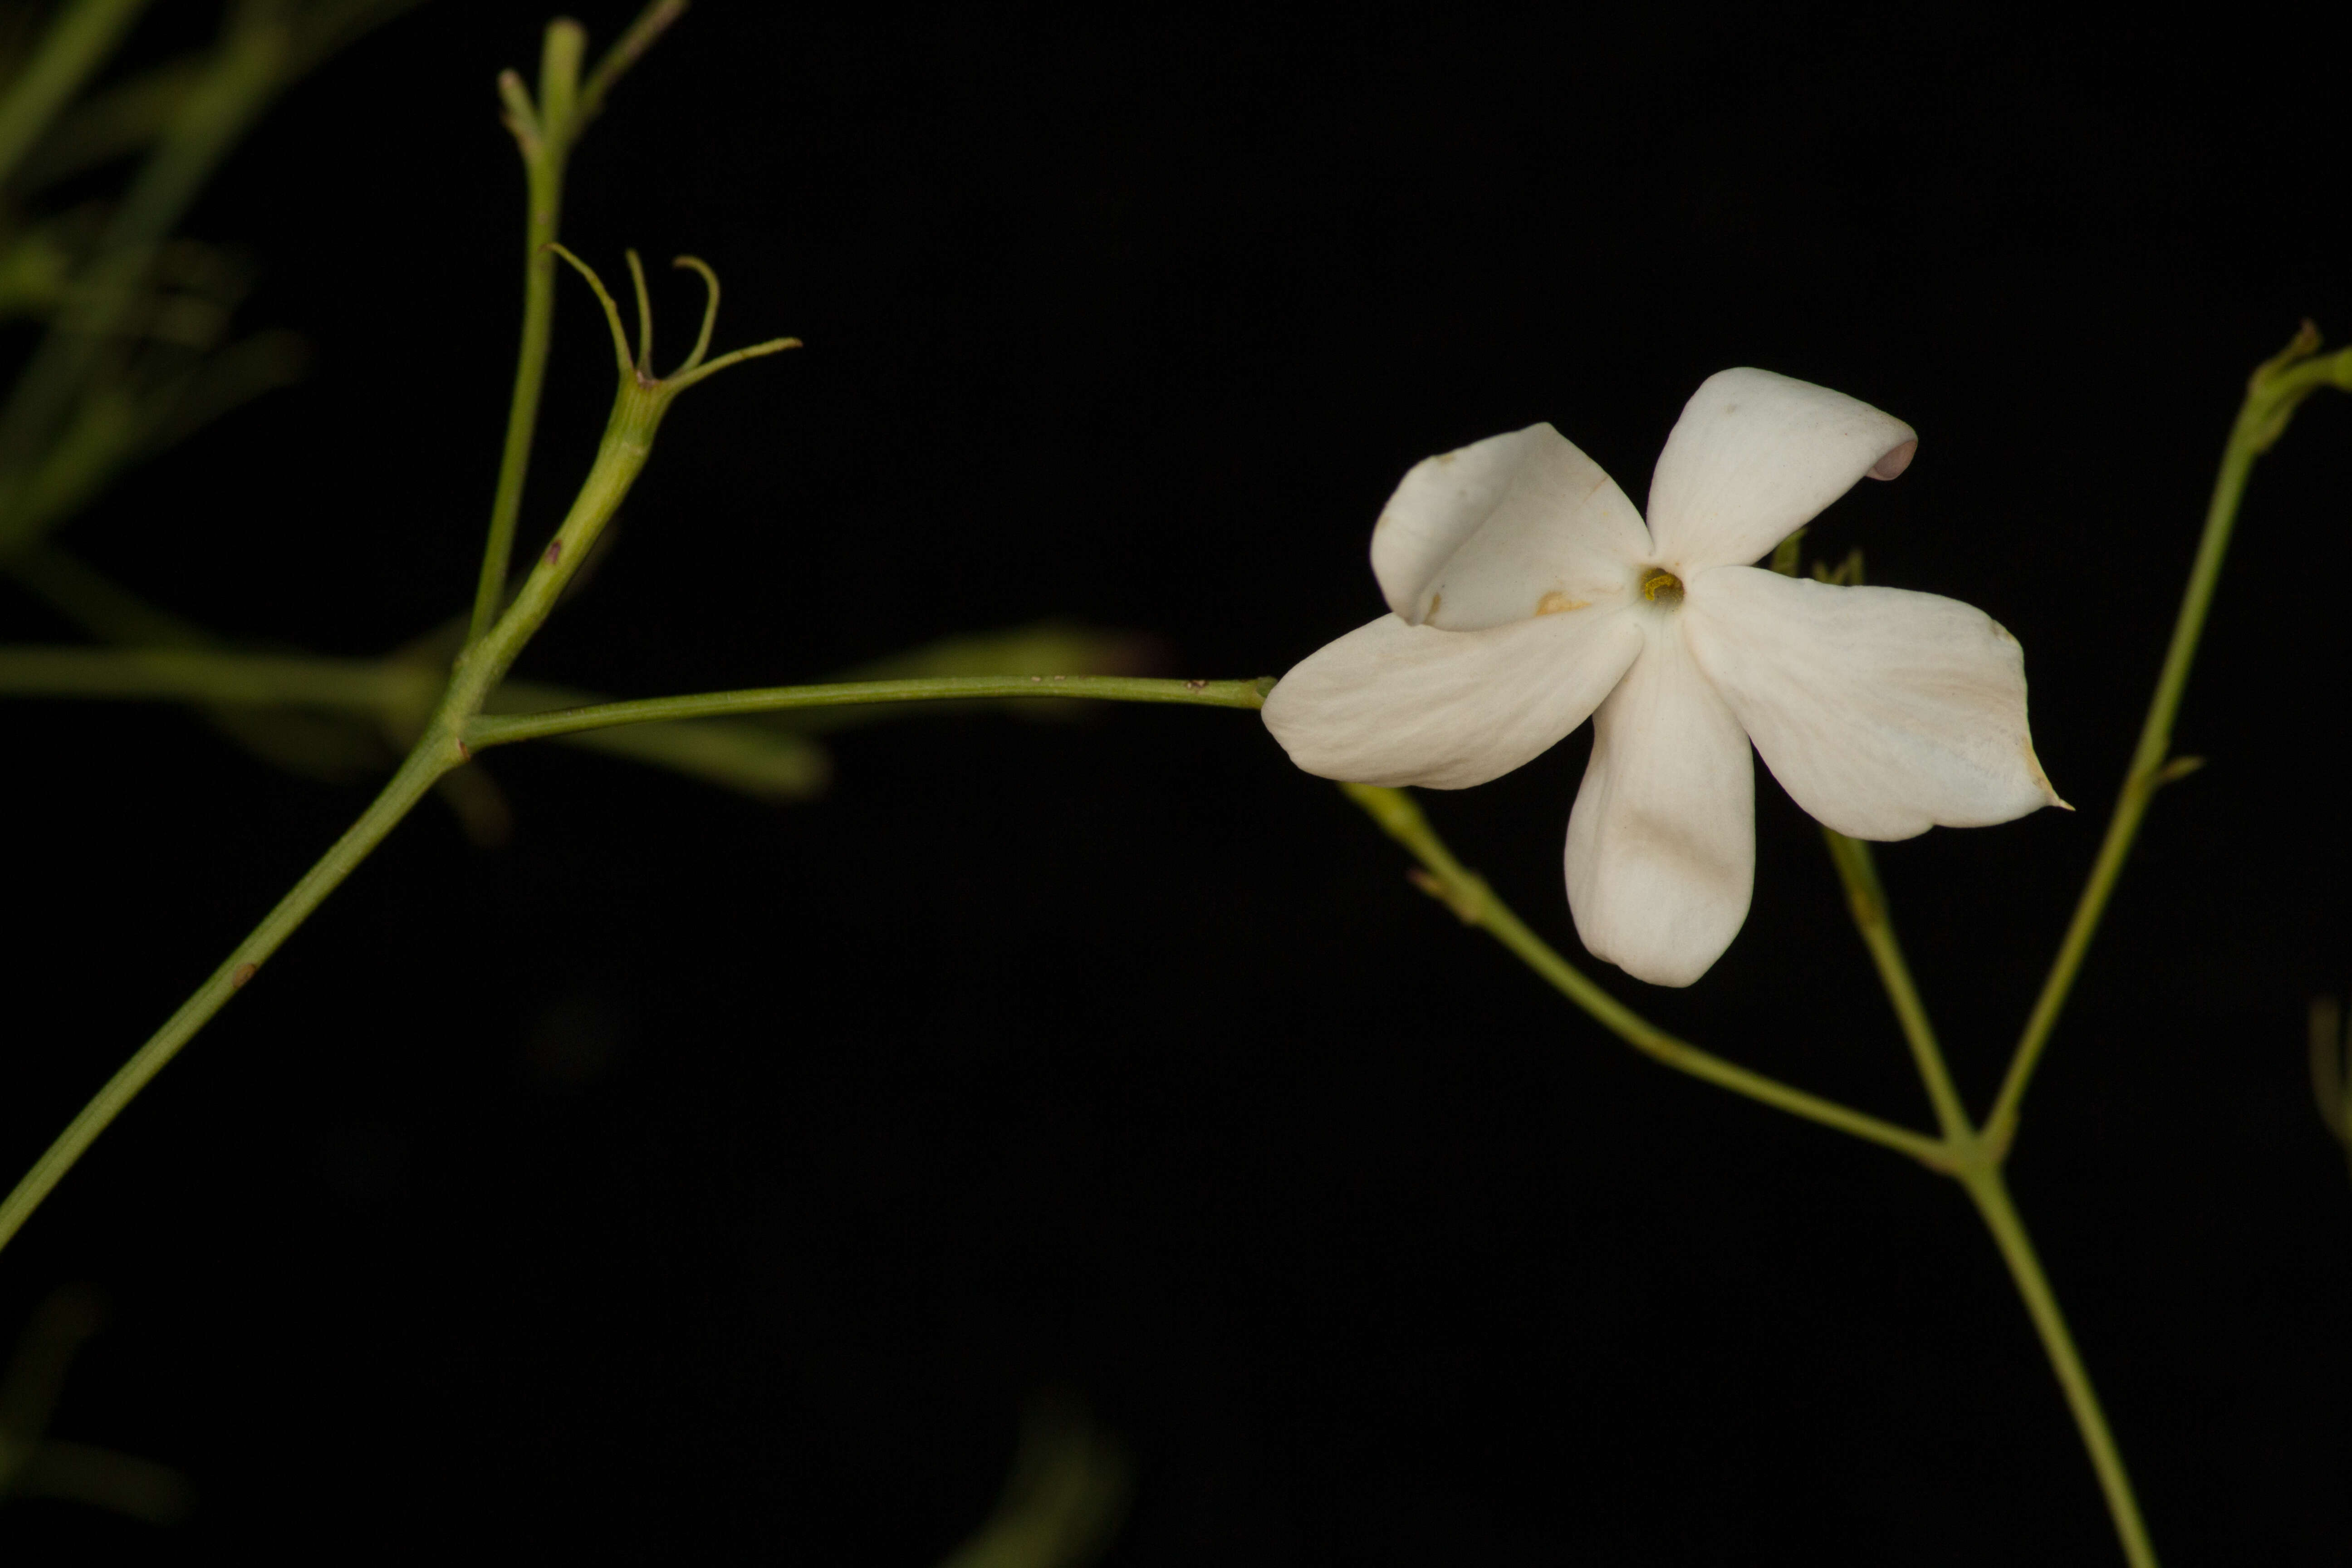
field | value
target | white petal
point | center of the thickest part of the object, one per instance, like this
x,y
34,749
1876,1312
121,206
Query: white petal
x,y
1883,712
1754,458
1394,704
1662,844
1511,527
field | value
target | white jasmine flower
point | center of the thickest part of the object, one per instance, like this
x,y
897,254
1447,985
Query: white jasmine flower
x,y
1527,594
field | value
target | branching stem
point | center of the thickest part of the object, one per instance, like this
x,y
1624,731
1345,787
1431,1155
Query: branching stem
x,y
2272,394
545,133
638,406
1446,879
1961,1154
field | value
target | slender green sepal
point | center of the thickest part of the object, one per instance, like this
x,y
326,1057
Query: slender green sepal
x,y
612,312
710,311
679,382
644,318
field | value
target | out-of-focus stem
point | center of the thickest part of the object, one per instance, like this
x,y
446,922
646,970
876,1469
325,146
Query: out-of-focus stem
x,y
249,66
79,41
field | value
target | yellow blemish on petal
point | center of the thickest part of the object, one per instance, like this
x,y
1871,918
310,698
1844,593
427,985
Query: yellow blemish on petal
x,y
1556,603
1435,600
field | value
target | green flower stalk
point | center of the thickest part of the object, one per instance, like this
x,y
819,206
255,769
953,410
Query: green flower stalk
x,y
639,404
1971,1153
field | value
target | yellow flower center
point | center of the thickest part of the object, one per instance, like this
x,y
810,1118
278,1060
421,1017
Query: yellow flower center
x,y
1662,583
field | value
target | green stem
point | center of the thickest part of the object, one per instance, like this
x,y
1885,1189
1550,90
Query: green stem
x,y
400,693
1974,1162
545,133
1866,897
78,42
424,765
493,730
249,67
204,675
637,410
627,49
251,57
621,456
2271,397
1445,878
1991,1194
1958,1154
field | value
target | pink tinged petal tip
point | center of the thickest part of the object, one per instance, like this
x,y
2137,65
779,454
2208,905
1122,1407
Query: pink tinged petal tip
x,y
1755,457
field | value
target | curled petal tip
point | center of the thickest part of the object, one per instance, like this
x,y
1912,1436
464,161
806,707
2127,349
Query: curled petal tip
x,y
2049,791
1896,459
1755,456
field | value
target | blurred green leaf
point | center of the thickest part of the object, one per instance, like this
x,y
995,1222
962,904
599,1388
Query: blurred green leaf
x,y
1064,1500
1042,648
732,753
33,1463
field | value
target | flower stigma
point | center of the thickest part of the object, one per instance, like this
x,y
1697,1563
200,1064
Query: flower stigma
x,y
1662,585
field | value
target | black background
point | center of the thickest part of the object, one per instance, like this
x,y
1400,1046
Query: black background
x,y
692,1178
